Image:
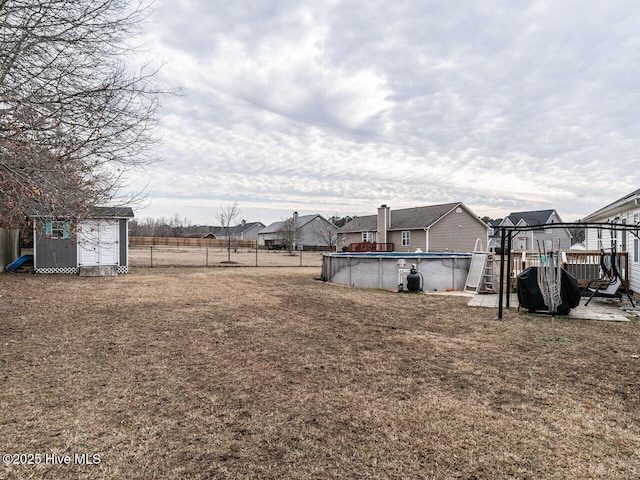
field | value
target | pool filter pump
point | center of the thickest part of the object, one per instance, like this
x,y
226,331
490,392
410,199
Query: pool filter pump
x,y
414,279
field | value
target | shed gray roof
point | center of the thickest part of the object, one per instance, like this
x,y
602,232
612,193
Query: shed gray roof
x,y
111,212
402,219
94,212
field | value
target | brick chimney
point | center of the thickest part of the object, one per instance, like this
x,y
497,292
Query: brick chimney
x,y
384,222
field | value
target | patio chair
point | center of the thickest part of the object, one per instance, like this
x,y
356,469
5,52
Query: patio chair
x,y
606,290
606,270
610,288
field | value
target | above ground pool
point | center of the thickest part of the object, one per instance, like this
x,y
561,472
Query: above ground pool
x,y
384,270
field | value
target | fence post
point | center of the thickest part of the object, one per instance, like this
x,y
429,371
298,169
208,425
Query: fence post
x,y
509,247
206,263
151,248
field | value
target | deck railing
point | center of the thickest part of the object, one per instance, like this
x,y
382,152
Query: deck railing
x,y
582,264
369,247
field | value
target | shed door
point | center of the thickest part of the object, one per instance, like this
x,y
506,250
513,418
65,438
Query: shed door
x,y
98,242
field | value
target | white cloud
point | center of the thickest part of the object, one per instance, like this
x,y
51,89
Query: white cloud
x,y
342,106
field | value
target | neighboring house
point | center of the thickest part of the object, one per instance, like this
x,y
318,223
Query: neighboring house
x,y
313,232
546,239
209,235
97,244
243,231
451,227
624,211
494,226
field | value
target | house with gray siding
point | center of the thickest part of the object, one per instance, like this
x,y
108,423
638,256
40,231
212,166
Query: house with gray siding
x,y
449,227
243,231
312,232
547,239
96,244
624,211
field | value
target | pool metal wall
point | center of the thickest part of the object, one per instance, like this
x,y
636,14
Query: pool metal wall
x,y
441,271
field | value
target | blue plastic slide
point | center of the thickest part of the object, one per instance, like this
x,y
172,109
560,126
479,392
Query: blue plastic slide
x,y
18,262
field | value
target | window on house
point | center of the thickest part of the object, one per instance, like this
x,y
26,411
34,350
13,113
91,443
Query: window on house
x,y
522,243
367,237
406,238
548,245
58,229
636,254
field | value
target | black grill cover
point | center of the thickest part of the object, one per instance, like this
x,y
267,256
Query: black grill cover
x,y
530,297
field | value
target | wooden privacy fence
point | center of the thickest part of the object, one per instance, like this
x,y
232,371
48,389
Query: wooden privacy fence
x,y
582,264
189,242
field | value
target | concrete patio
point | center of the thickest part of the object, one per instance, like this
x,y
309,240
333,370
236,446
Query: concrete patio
x,y
598,309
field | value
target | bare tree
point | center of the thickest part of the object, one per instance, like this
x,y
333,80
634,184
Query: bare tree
x,y
289,232
178,225
73,118
227,218
326,231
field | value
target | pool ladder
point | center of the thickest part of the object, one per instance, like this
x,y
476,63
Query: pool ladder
x,y
481,272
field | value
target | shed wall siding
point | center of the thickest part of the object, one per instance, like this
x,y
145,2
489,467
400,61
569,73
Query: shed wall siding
x,y
456,232
123,241
54,252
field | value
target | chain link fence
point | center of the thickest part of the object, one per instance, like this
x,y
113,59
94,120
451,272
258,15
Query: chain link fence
x,y
204,256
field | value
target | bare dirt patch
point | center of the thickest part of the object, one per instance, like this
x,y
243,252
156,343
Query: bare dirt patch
x,y
268,373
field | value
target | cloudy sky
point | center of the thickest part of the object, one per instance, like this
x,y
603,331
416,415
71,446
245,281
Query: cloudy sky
x,y
336,107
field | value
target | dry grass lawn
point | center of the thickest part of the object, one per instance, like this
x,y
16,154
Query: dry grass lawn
x,y
263,373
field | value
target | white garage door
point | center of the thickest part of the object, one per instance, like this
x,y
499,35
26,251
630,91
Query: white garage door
x,y
98,242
